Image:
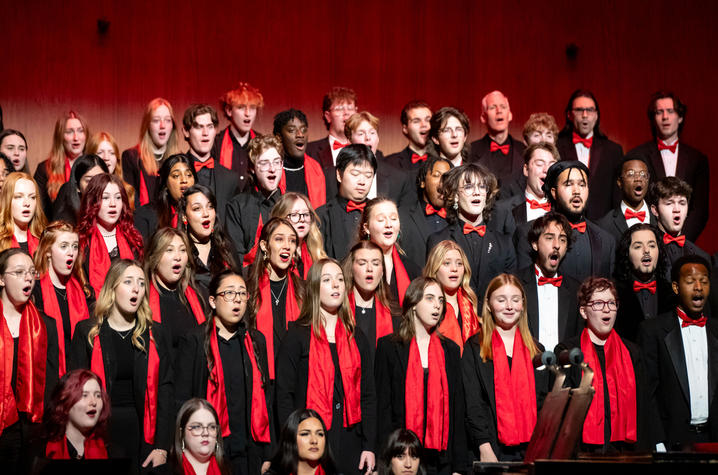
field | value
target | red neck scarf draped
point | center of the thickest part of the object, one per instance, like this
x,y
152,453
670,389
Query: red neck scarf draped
x,y
621,381
384,325
212,469
437,395
318,471
515,391
306,258
320,384
402,278
265,319
249,257
100,259
97,365
314,178
469,323
189,294
76,305
225,153
94,449
31,362
32,243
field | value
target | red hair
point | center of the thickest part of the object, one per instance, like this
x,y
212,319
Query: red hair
x,y
244,93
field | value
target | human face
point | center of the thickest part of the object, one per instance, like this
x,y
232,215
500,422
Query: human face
x,y
173,262
600,322
535,171
383,225
643,252
506,304
405,464
332,287
84,414
16,150
571,191
107,153
130,290
427,311
692,288
300,217
18,288
230,313
671,213
280,247
242,117
365,133
111,206
161,126
268,170
497,114
63,253
24,203
451,138
550,248
583,115
179,179
432,183
366,269
472,198
451,271
541,135
418,123
337,115
201,215
201,135
355,182
667,119
634,186
294,138
311,440
74,138
89,175
202,446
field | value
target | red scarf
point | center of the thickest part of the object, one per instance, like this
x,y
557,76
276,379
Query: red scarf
x,y
515,391
437,395
76,305
212,469
621,381
217,397
31,362
189,294
469,325
144,194
402,278
225,153
318,471
97,366
384,325
99,258
32,243
320,381
265,319
249,257
94,449
314,178
306,260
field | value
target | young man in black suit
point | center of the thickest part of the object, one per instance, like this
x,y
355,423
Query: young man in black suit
x,y
681,353
338,105
415,124
668,157
582,139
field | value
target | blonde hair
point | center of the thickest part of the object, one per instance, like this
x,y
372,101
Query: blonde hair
x,y
314,240
356,119
48,238
7,224
156,248
147,156
55,164
93,144
435,260
311,314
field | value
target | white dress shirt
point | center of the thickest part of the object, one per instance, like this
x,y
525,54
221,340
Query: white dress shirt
x,y
331,148
632,221
695,346
547,313
532,214
583,152
670,159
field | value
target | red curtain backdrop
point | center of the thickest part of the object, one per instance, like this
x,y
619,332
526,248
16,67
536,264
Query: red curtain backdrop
x,y
448,53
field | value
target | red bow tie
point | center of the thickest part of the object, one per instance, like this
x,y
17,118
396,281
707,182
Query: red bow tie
x,y
638,286
629,214
352,206
533,204
580,227
555,281
680,240
701,322
209,163
337,145
578,139
663,146
431,210
415,158
504,148
480,230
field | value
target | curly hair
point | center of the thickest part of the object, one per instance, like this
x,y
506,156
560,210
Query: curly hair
x,y
467,173
624,269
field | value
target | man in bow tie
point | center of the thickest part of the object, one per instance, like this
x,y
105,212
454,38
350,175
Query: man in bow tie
x,y
582,139
415,124
338,105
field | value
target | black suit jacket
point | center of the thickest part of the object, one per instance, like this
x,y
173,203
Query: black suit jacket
x,y
223,183
631,313
41,179
508,213
615,222
415,232
146,221
242,216
321,151
398,185
240,157
402,160
507,168
339,228
674,251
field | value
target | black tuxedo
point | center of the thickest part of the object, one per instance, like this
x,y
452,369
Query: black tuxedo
x,y
508,213
395,184
674,251
242,216
402,160
240,156
615,222
692,167
416,227
603,167
633,308
321,151
507,168
223,183
339,228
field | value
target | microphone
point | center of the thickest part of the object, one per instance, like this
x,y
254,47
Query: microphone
x,y
547,359
574,357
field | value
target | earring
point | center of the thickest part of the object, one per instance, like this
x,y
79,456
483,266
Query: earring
x,y
456,204
182,444
184,220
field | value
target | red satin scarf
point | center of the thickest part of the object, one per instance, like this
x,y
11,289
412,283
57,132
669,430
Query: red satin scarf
x,y
469,325
384,324
314,178
144,194
149,423
515,391
621,381
249,257
76,305
265,319
32,243
100,259
94,449
225,153
212,468
318,471
189,294
320,382
217,397
402,278
306,260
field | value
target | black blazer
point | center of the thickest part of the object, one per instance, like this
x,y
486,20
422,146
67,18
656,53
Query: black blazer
x,y
41,179
615,222
415,232
392,360
242,216
320,151
390,182
692,167
631,314
339,228
240,156
402,160
665,360
603,169
507,168
223,183
131,169
674,251
508,213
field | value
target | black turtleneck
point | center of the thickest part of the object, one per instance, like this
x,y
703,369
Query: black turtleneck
x,y
294,173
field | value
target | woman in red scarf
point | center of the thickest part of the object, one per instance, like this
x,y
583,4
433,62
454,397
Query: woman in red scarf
x,y
225,361
76,418
105,228
503,391
131,355
380,224
324,364
448,264
21,216
418,378
275,290
198,447
62,292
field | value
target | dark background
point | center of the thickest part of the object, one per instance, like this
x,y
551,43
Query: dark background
x,y
445,52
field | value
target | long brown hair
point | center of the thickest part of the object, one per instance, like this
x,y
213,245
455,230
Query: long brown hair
x,y
156,248
55,164
48,238
147,155
311,314
382,292
7,224
414,295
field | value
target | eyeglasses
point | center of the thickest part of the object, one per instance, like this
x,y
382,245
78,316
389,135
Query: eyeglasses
x,y
198,429
21,273
600,305
642,174
452,131
297,217
231,295
344,108
470,188
587,110
265,165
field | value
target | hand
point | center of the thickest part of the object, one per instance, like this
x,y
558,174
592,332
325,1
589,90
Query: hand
x,y
486,453
367,460
157,457
265,466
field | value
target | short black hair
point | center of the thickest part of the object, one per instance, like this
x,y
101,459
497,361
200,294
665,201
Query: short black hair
x,y
685,260
355,154
426,168
281,119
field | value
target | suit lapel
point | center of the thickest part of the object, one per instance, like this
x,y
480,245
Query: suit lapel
x,y
620,222
563,299
594,240
529,282
594,155
657,162
519,213
712,361
417,215
674,345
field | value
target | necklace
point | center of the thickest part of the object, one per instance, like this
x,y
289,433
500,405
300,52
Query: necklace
x,y
127,333
277,297
293,169
112,234
62,292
